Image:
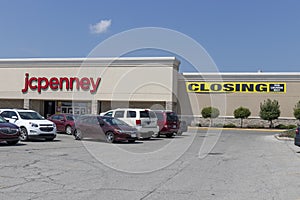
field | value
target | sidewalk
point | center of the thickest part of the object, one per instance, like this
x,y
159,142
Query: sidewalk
x,y
237,129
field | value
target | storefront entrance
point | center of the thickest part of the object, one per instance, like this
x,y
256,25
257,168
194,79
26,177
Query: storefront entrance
x,y
78,108
49,108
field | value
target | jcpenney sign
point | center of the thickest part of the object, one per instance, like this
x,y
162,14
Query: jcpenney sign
x,y
62,83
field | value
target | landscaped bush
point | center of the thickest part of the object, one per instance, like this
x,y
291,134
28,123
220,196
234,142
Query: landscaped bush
x,y
255,126
229,125
289,133
281,126
292,126
218,125
242,113
211,113
269,110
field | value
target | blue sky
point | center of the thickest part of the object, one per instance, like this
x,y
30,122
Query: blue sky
x,y
240,35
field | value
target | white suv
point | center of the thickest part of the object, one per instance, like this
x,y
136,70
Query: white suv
x,y
31,123
144,120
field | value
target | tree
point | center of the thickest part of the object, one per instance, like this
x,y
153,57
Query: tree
x,y
210,112
269,110
297,110
241,113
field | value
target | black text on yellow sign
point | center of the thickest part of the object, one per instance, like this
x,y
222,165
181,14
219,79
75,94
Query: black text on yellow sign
x,y
240,87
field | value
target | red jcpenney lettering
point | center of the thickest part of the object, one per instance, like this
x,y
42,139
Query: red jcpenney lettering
x,y
54,83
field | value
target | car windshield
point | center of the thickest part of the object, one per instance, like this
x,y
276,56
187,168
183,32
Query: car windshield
x,y
144,114
114,122
2,120
152,114
72,117
30,115
160,116
172,117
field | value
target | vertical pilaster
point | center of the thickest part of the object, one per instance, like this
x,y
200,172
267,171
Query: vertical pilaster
x,y
26,103
169,105
94,107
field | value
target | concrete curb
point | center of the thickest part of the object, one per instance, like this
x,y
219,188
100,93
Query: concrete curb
x,y
236,129
247,129
283,138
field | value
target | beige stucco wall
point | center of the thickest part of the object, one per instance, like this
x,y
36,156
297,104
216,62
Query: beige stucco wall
x,y
108,105
127,79
228,102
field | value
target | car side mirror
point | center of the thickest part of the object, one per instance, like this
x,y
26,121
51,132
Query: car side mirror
x,y
101,124
14,117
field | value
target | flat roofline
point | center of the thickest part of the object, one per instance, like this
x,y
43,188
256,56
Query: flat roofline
x,y
239,73
85,59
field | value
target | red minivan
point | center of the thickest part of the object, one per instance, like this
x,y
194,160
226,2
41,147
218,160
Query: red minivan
x,y
168,122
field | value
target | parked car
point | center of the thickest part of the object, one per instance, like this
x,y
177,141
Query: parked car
x,y
144,120
64,122
32,124
297,137
182,127
104,128
9,132
167,122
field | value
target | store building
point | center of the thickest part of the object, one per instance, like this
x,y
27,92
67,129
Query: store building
x,y
94,85
232,90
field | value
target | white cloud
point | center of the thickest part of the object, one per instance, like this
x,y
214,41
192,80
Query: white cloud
x,y
100,27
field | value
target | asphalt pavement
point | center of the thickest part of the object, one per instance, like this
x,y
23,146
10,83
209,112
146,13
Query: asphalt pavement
x,y
231,164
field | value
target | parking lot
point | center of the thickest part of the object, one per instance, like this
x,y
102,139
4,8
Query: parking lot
x,y
242,165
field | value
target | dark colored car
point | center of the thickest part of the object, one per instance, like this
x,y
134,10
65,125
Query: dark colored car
x,y
297,137
104,128
182,127
168,122
9,132
64,122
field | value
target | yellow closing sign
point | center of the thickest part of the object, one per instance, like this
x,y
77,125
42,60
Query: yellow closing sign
x,y
241,87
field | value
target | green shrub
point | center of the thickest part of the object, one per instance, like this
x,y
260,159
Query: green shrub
x,y
289,133
229,125
242,113
218,125
297,110
292,126
281,126
269,110
255,126
210,112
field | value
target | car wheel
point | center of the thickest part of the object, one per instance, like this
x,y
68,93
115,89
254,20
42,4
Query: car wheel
x,y
110,137
169,135
157,135
24,134
68,130
78,135
12,142
179,133
49,139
